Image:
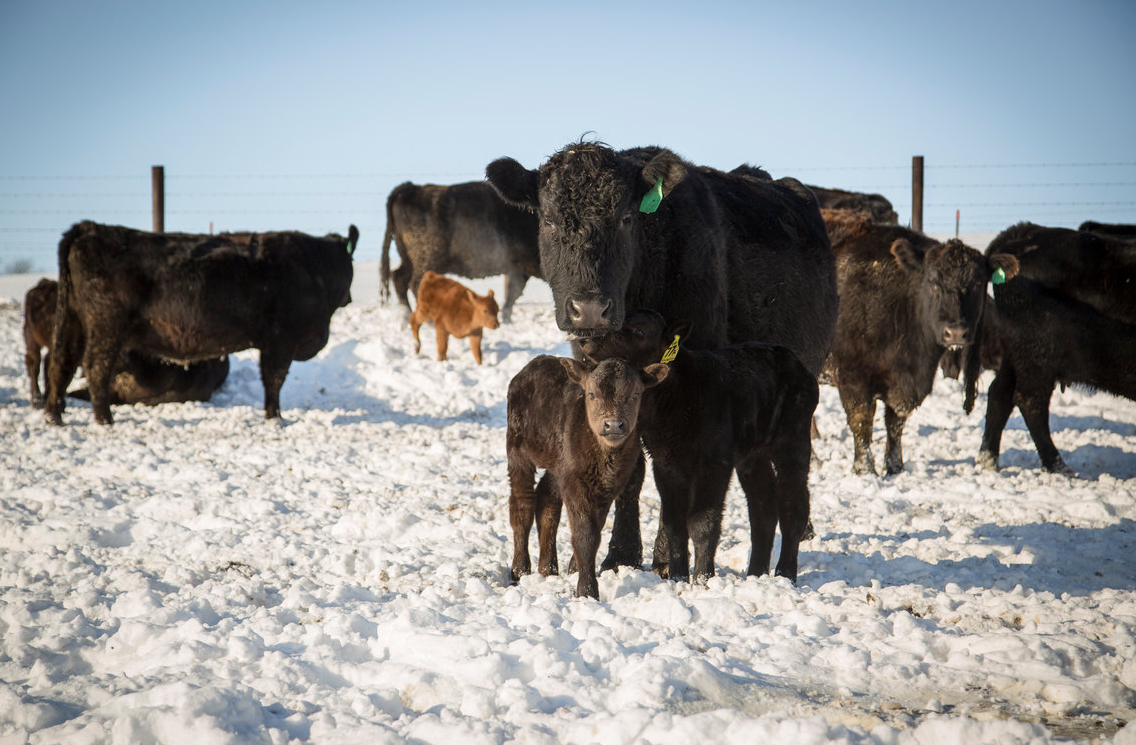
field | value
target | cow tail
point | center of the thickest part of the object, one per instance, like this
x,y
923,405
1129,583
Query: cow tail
x,y
384,265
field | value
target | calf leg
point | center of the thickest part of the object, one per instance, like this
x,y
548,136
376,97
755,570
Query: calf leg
x,y
442,336
475,344
273,370
522,501
791,479
756,478
548,509
625,547
895,422
676,495
999,406
585,540
705,521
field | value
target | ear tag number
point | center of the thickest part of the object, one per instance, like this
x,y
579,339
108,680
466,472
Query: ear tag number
x,y
671,353
999,277
653,198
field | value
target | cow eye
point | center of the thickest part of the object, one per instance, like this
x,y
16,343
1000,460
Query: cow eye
x,y
591,396
640,333
626,219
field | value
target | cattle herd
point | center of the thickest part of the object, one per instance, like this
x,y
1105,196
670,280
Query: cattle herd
x,y
703,306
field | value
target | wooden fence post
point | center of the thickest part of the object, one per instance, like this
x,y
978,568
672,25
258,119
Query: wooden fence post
x,y
917,193
158,190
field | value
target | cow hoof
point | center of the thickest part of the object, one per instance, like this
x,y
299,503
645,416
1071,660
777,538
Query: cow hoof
x,y
810,532
53,418
986,461
1058,466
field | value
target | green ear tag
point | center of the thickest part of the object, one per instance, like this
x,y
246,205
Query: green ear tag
x,y
653,198
999,276
671,353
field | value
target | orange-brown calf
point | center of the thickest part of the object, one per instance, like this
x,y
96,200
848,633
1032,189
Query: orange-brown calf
x,y
455,310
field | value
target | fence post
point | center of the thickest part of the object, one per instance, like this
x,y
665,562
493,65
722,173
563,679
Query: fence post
x,y
158,190
917,193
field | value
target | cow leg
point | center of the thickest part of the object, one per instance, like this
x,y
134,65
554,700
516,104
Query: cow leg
x,y
860,411
676,495
514,286
442,336
756,478
31,362
548,509
999,406
1034,406
273,370
705,521
791,479
100,366
475,344
585,544
62,362
894,422
625,547
522,500
401,278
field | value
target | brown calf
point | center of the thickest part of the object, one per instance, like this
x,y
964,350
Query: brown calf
x,y
455,310
39,317
581,427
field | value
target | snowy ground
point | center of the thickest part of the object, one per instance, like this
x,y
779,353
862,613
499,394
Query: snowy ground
x,y
197,575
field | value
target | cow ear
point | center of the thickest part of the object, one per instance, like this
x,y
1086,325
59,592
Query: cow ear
x,y
680,329
654,374
1008,263
514,183
666,166
576,371
906,257
352,240
489,294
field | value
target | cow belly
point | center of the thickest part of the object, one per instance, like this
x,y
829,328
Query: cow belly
x,y
189,341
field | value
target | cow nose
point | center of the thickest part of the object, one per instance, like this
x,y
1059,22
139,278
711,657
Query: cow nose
x,y
615,426
954,336
589,313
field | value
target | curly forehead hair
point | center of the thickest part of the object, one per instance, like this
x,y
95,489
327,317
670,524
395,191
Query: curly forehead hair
x,y
587,176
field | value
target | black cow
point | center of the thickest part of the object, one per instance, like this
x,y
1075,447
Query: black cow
x,y
138,379
742,258
905,299
184,298
580,425
875,206
1069,317
745,407
464,229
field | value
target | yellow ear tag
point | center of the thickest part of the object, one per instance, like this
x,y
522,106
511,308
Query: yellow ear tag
x,y
671,353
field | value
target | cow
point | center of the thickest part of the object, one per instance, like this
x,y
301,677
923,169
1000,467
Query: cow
x,y
463,229
876,206
1069,317
139,379
455,310
742,258
905,299
183,298
579,424
745,407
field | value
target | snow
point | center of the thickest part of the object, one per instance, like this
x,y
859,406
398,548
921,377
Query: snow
x,y
195,574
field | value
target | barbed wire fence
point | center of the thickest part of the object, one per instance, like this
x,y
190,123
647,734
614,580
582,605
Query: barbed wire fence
x,y
36,210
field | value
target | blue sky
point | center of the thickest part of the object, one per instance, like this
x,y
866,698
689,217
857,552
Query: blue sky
x,y
298,115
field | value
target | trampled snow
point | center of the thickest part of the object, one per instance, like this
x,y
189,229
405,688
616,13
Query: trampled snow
x,y
195,574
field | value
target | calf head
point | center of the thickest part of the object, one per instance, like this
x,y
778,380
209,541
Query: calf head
x,y
951,282
484,309
588,199
644,339
612,393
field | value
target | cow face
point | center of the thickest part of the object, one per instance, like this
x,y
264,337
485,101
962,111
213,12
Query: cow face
x,y
952,281
587,198
484,310
612,394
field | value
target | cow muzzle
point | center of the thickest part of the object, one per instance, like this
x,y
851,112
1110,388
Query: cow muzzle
x,y
954,337
590,313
